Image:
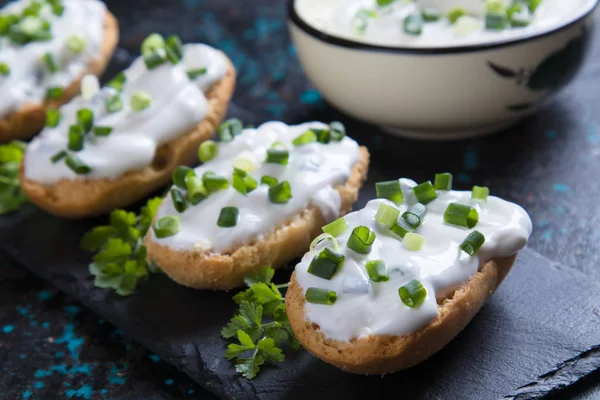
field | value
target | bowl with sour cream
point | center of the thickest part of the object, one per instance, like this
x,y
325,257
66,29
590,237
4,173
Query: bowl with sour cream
x,y
440,69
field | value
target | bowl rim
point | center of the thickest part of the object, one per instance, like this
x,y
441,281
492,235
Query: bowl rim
x,y
352,44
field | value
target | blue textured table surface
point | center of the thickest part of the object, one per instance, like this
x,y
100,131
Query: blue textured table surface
x,y
52,348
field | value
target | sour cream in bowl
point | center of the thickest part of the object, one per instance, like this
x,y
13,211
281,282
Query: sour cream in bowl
x,y
440,69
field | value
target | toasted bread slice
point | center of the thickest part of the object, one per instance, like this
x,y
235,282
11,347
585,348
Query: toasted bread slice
x,y
203,270
84,198
384,354
30,118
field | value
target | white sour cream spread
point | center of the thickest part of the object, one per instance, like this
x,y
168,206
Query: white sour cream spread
x,y
29,78
313,171
385,26
178,105
366,308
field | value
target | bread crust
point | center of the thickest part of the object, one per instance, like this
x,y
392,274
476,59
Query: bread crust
x,y
30,118
202,270
385,354
89,197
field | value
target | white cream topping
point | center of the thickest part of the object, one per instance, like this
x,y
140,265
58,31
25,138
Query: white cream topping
x,y
336,17
29,78
313,171
178,105
366,308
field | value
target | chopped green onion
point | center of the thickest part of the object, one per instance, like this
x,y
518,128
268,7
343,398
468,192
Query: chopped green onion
x,y
180,174
117,82
533,5
194,73
323,135
520,20
472,243
413,241
113,104
336,228
76,43
389,190
277,156
414,215
55,92
401,228
443,181
57,8
280,193
242,182
102,130
244,164
76,135
196,192
495,21
179,201
514,8
155,59
50,62
425,192
377,271
4,69
213,182
430,14
337,131
361,240
326,263
85,119
322,237
495,6
268,180
166,226
140,101
387,215
320,296
480,193
174,49
208,150
306,138
228,217
382,3
52,118
152,43
229,129
412,294
77,165
413,24
461,215
455,13
58,156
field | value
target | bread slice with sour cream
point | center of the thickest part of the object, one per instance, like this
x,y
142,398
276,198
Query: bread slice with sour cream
x,y
29,119
81,196
374,331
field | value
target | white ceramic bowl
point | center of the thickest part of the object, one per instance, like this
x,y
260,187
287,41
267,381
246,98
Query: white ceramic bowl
x,y
442,93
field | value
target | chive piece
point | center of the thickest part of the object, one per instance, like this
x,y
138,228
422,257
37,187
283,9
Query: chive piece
x,y
53,117
196,192
208,150
382,3
377,271
336,228
152,43
228,217
480,193
413,241
496,22
425,192
455,13
387,215
413,24
326,263
242,182
57,9
50,62
306,138
194,73
443,181
361,240
389,190
461,215
514,8
118,81
229,129
277,156
155,59
472,243
213,182
76,43
337,131
113,104
414,215
77,165
322,238
268,180
244,164
102,130
76,134
412,294
58,156
323,135
533,5
166,226
55,92
85,119
431,14
401,228
4,69
495,6
280,193
174,49
179,201
320,296
140,101
180,174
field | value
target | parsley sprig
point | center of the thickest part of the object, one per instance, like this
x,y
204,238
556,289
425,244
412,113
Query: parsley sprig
x,y
120,260
11,195
260,328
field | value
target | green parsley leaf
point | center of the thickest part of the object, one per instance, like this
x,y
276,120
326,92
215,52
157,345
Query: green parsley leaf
x,y
266,346
249,367
11,195
264,275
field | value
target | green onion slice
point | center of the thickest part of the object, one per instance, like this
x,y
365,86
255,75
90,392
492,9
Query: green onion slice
x,y
377,271
320,296
413,24
85,119
166,226
76,135
194,73
336,228
280,193
113,104
179,201
455,13
76,43
196,192
208,150
414,215
228,217
480,193
50,62
180,174
413,294
443,181
316,243
229,129
520,20
361,240
4,69
242,182
401,228
306,138
53,117
431,14
495,22
461,215
389,190
174,49
140,101
55,92
58,156
413,241
472,243
382,3
155,59
77,165
118,81
268,180
323,135
277,156
387,215
425,192
102,130
213,182
152,43
326,263
337,131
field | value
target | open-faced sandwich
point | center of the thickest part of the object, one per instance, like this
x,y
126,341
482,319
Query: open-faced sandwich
x,y
387,286
259,199
109,148
47,46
